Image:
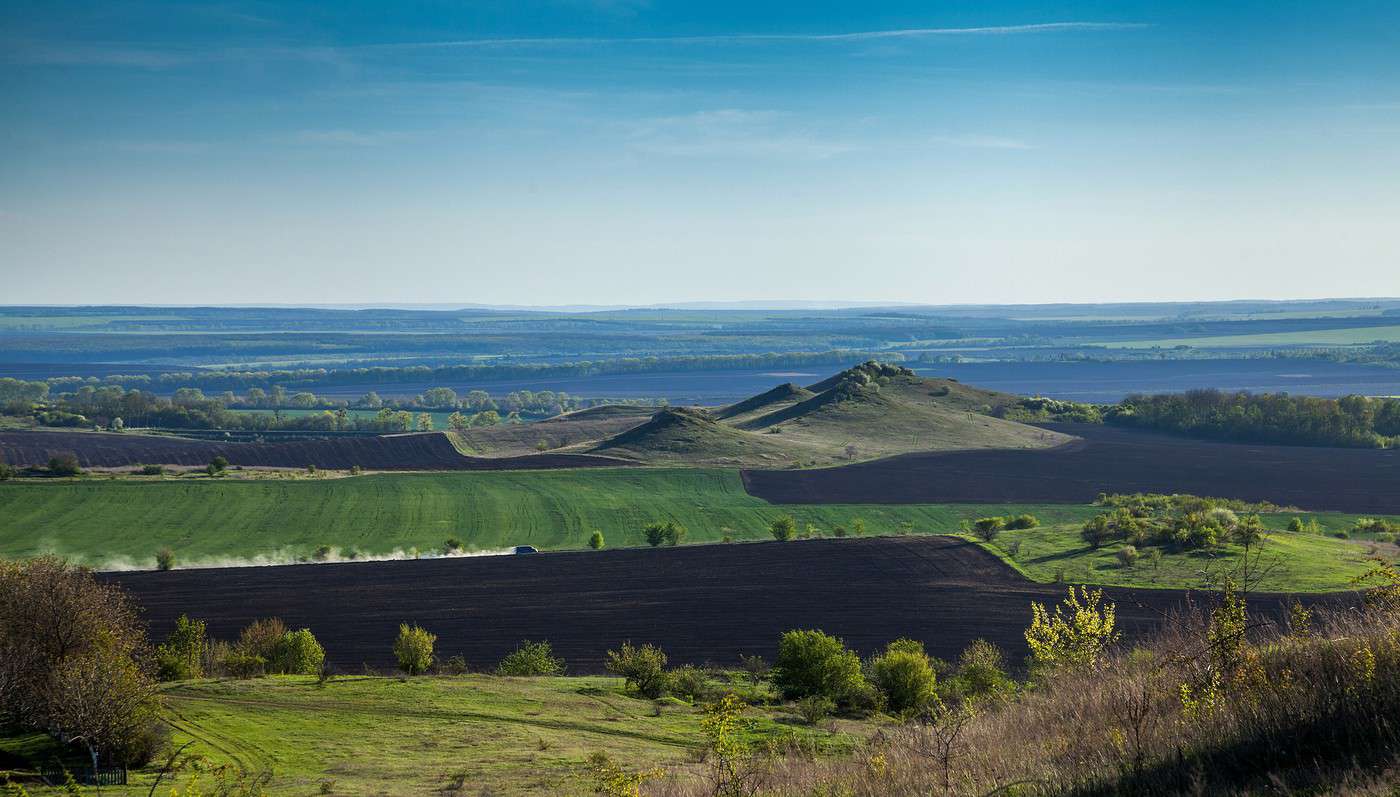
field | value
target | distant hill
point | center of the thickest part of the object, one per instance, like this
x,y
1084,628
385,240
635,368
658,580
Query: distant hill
x,y
870,411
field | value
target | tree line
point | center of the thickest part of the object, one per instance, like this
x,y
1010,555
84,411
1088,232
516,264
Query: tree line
x,y
1352,421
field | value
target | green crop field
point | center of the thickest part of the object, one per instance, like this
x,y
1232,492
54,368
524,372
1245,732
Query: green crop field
x,y
117,523
451,735
1321,337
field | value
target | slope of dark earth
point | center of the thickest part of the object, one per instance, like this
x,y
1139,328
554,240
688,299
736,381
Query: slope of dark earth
x,y
1105,460
427,451
703,603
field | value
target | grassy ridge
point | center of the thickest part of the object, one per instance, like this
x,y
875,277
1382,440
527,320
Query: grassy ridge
x,y
372,735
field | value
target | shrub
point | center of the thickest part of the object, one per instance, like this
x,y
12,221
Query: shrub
x,y
216,466
988,528
904,675
165,559
452,545
453,665
413,649
298,653
642,668
181,657
756,667
783,529
690,682
814,663
839,531
64,465
243,665
261,639
980,674
858,527
1027,521
595,541
1096,531
1296,525
674,533
1076,635
152,470
322,553
655,534
814,708
1127,556
531,658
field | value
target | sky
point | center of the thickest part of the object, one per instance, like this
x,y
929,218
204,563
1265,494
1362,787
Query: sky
x,y
643,151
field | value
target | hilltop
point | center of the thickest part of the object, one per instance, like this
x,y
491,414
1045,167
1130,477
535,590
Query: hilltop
x,y
869,411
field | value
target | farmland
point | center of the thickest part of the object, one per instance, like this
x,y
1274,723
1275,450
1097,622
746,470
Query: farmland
x,y
701,603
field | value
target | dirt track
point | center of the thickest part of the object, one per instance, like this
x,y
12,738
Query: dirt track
x,y
700,603
429,451
1107,459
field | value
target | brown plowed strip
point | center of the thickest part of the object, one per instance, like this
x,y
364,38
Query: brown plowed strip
x,y
1106,460
701,603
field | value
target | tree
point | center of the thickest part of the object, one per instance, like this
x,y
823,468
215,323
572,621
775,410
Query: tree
x,y
811,662
642,668
298,653
595,540
783,528
260,643
486,418
413,649
458,422
655,534
734,769
165,559
217,466
675,533
1076,635
425,422
181,656
904,675
1096,531
1026,521
1127,555
988,528
858,527
65,465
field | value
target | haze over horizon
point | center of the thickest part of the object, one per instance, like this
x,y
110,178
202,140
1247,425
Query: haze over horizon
x,y
635,152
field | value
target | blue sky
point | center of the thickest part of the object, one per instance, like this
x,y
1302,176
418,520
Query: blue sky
x,y
624,151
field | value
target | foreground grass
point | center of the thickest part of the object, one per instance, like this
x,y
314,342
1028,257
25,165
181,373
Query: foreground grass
x,y
455,735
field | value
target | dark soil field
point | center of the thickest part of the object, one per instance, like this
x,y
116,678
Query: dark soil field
x,y
702,603
1106,460
427,451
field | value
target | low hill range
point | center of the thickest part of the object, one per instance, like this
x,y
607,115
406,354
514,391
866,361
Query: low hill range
x,y
871,411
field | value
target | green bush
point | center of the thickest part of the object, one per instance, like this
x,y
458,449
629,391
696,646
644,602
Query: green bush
x,y
452,545
641,668
165,559
595,541
298,653
530,659
181,656
988,528
783,529
814,708
980,675
453,665
1022,522
814,663
668,533
1127,556
243,665
904,675
413,649
64,465
152,470
691,683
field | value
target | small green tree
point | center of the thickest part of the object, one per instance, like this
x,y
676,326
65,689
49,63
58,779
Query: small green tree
x,y
217,465
987,528
1023,522
655,534
165,559
733,768
858,527
413,649
642,668
181,656
1097,531
452,545
811,662
904,675
298,653
65,465
783,529
674,533
595,541
1127,555
1075,635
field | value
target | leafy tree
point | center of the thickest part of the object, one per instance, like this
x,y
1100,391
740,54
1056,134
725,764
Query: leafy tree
x,y
642,668
980,674
298,653
1127,556
814,663
181,656
988,528
413,649
595,541
424,422
458,422
1026,521
904,675
655,534
165,559
1097,531
734,771
1075,635
675,533
783,528
531,658
65,465
858,527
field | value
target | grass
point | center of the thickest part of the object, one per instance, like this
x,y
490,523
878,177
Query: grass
x,y
1291,562
1327,337
125,521
392,736
117,523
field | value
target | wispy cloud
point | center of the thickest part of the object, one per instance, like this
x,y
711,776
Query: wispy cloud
x,y
759,38
354,138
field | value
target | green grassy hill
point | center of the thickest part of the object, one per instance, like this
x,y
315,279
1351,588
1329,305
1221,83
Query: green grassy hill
x,y
124,522
430,735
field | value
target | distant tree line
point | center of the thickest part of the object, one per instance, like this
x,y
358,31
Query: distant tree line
x,y
1353,421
